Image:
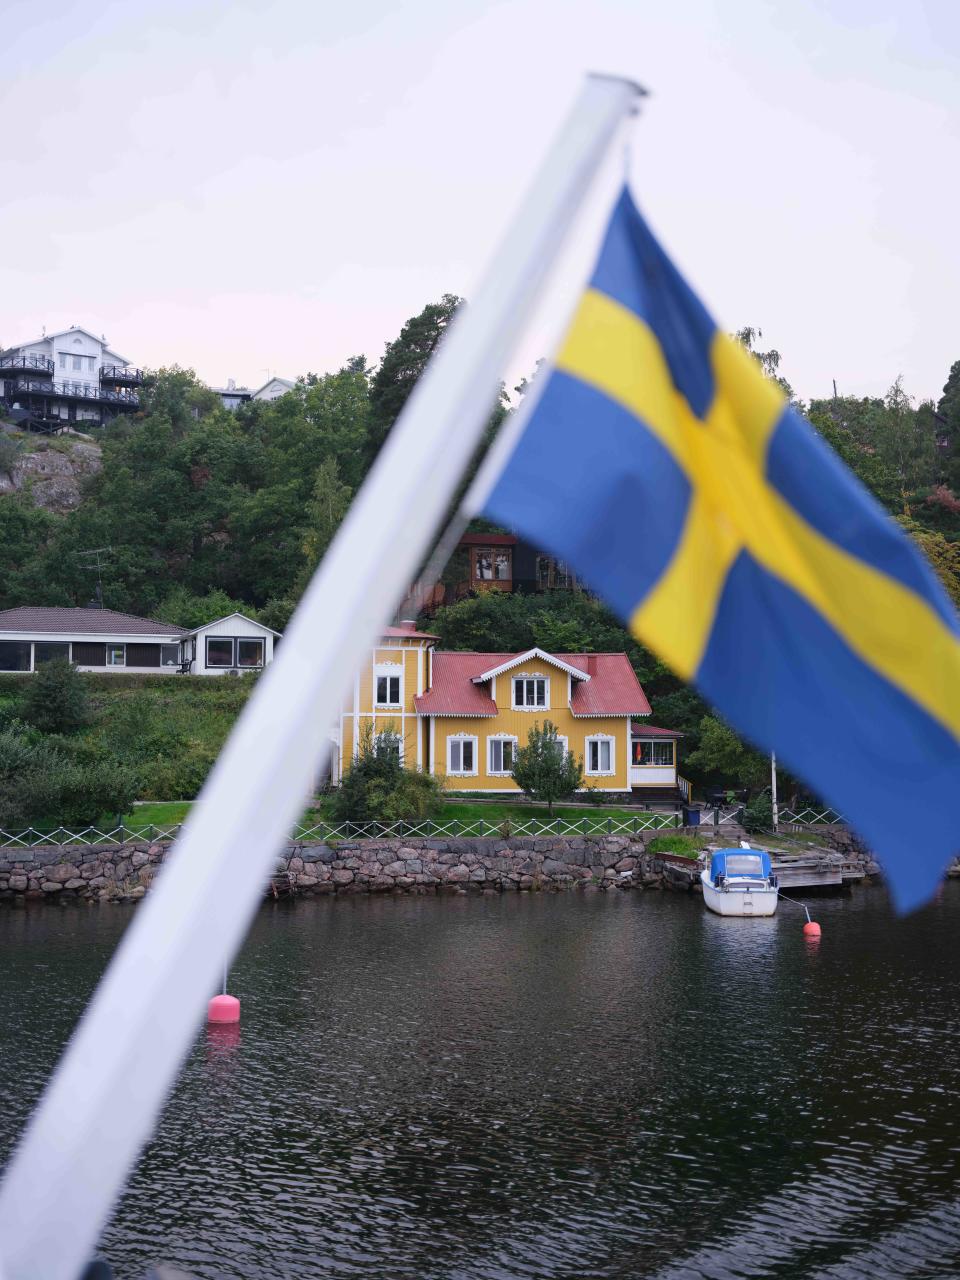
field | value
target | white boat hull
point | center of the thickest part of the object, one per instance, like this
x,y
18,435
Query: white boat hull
x,y
737,900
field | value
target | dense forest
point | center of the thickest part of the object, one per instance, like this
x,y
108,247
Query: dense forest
x,y
204,511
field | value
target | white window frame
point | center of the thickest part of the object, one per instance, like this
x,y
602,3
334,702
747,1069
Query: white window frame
x,y
600,738
463,738
501,738
565,741
249,666
108,657
388,671
178,656
383,733
654,743
524,706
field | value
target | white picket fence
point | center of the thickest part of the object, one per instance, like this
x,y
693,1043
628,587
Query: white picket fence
x,y
810,817
323,832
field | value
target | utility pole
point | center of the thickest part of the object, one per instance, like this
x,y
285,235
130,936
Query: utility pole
x,y
773,790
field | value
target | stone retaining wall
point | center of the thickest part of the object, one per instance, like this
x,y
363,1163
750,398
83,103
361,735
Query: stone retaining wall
x,y
98,873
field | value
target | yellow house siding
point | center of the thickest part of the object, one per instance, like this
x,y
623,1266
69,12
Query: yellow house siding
x,y
407,659
518,724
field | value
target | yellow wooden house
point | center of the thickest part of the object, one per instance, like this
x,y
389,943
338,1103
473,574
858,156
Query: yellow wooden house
x,y
461,716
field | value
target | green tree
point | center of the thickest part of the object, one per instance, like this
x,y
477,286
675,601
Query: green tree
x,y
942,555
324,514
56,700
769,361
543,770
404,359
184,609
724,754
179,395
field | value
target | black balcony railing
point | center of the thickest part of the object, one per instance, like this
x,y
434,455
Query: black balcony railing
x,y
122,375
72,391
27,364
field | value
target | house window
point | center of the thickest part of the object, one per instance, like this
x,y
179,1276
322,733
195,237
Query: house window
x,y
462,755
62,357
600,757
116,655
385,744
219,651
647,752
50,651
563,744
388,685
492,565
530,692
77,362
169,655
14,655
501,753
249,652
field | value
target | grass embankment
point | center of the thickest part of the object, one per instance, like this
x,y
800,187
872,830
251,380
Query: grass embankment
x,y
168,728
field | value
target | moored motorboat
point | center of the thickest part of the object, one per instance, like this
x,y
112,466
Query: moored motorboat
x,y
740,882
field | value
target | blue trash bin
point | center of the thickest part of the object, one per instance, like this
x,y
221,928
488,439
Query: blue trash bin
x,y
691,817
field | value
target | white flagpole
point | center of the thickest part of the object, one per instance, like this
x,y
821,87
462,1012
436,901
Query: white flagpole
x,y
107,1092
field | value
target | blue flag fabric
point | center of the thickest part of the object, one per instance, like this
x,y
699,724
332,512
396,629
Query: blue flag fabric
x,y
677,480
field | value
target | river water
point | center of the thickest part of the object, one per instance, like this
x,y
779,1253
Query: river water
x,y
563,1085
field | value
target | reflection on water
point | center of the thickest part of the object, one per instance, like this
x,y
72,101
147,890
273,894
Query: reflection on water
x,y
566,1085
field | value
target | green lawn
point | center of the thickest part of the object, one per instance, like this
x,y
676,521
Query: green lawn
x,y
493,815
153,817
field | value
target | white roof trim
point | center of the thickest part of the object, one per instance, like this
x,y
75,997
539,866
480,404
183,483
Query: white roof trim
x,y
226,617
540,654
95,637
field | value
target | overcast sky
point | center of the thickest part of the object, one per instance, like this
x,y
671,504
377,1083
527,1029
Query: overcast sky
x,y
251,186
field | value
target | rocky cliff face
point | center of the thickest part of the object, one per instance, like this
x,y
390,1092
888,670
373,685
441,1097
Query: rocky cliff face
x,y
52,475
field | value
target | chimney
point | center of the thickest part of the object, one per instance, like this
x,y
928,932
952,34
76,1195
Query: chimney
x,y
231,385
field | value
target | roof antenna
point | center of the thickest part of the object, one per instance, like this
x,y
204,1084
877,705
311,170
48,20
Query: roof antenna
x,y
95,563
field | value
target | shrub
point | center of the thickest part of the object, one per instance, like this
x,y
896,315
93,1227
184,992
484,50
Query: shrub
x,y
56,699
38,783
758,814
378,788
8,454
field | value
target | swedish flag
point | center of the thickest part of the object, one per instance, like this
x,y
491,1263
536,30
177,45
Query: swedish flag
x,y
676,479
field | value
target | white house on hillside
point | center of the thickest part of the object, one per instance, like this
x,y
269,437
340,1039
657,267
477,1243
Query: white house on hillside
x,y
103,640
66,377
232,396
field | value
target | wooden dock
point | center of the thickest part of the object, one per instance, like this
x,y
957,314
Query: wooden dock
x,y
818,869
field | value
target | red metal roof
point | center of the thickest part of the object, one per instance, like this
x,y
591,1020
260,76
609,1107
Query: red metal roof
x,y
613,688
451,692
36,619
407,633
653,731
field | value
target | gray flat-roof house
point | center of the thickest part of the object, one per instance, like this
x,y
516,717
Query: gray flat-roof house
x,y
96,639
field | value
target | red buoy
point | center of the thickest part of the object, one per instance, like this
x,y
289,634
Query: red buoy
x,y
225,1009
811,930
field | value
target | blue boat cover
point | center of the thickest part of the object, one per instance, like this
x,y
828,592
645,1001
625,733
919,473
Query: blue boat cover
x,y
751,863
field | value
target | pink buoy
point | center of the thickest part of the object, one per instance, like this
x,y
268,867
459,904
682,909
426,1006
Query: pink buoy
x,y
811,929
223,1009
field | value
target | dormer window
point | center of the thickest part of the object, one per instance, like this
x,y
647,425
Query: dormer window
x,y
530,693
